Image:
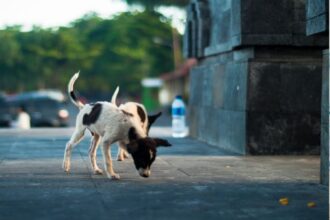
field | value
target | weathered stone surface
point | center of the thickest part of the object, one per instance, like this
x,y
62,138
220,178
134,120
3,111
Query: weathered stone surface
x,y
276,85
318,23
252,101
264,17
325,120
218,26
317,17
283,133
218,100
232,131
219,127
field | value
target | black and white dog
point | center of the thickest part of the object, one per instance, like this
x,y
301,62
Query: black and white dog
x,y
110,124
140,113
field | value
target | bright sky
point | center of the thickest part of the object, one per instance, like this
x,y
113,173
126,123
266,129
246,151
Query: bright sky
x,y
61,12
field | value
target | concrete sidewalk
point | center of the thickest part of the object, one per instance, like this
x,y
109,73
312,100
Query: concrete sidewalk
x,y
191,180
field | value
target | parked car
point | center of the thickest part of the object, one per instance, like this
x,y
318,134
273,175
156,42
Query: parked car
x,y
5,117
46,108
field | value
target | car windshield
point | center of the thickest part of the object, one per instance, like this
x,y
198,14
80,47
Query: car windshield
x,y
47,103
3,103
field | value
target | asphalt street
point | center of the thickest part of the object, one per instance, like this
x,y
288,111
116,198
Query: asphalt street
x,y
190,180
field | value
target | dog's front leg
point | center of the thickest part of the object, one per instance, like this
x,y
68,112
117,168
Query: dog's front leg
x,y
108,161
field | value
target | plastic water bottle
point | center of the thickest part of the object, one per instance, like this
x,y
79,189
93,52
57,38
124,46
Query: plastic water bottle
x,y
178,118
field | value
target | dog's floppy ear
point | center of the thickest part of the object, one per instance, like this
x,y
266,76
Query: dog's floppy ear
x,y
152,119
162,142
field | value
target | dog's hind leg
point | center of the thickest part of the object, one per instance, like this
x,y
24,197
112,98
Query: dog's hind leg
x,y
126,155
92,154
75,139
120,156
122,152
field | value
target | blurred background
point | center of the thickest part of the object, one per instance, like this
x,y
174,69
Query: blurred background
x,y
134,44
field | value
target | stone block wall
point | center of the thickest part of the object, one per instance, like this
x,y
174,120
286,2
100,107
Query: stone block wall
x,y
257,88
247,103
217,26
217,100
283,102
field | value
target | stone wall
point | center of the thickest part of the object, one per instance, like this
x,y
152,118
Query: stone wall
x,y
247,103
317,17
217,26
257,88
217,100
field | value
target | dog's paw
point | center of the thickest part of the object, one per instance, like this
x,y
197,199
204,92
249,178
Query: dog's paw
x,y
114,176
66,166
98,171
120,158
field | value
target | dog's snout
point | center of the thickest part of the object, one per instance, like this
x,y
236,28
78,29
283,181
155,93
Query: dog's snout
x,y
144,172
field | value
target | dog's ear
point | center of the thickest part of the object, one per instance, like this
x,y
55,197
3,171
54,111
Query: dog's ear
x,y
162,142
152,119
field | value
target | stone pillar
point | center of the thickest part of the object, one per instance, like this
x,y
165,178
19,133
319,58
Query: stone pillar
x,y
317,23
257,87
325,120
197,29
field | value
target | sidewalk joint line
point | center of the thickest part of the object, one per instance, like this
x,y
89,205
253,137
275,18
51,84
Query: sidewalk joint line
x,y
184,172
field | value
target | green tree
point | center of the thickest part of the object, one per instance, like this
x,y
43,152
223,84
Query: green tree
x,y
109,52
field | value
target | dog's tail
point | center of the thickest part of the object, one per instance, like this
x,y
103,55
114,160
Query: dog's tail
x,y
71,93
114,96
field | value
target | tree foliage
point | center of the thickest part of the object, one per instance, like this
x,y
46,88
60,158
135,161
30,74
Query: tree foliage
x,y
108,52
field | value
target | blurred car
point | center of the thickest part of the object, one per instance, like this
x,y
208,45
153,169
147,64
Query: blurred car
x,y
5,117
46,108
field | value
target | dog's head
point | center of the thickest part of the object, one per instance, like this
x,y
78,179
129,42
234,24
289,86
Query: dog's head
x,y
144,151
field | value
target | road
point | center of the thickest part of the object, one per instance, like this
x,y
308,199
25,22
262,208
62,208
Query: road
x,y
190,180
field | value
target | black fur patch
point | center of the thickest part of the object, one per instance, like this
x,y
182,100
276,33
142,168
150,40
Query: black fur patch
x,y
141,114
73,96
132,136
92,117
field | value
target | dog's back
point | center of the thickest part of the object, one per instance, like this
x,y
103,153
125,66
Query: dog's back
x,y
102,116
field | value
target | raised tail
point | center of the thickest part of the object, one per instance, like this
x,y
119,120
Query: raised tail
x,y
114,96
71,93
